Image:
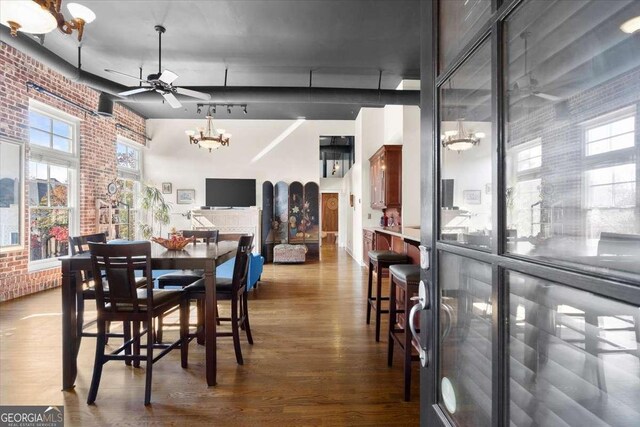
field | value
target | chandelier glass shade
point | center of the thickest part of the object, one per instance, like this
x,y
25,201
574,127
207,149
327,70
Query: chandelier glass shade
x,y
43,16
460,140
208,137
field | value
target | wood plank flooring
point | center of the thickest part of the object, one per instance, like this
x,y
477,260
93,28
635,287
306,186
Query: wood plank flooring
x,y
314,362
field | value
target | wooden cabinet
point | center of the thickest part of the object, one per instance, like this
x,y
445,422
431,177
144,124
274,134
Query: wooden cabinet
x,y
367,245
385,177
112,220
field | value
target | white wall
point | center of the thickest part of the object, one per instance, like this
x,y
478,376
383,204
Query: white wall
x,y
170,158
471,170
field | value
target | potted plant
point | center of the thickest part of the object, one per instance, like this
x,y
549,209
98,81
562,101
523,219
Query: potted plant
x,y
155,211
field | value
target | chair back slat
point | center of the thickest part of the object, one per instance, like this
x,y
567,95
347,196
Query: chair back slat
x,y
241,265
208,236
79,245
120,262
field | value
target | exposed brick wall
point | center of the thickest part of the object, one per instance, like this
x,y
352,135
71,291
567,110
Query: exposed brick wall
x,y
97,153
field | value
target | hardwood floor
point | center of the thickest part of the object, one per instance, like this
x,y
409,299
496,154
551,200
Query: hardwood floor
x,y
314,362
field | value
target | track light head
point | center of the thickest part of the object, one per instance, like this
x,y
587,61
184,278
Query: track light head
x,y
228,109
199,110
214,109
244,109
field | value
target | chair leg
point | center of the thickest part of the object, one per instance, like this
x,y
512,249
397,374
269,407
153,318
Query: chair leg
x,y
149,366
247,326
378,299
159,331
200,321
80,314
126,329
369,288
98,363
184,332
108,331
235,330
217,316
392,320
136,342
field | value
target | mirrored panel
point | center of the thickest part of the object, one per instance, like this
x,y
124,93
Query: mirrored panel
x,y
460,20
465,155
465,350
10,194
572,139
574,358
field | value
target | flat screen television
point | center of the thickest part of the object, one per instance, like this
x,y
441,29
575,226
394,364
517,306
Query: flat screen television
x,y
230,193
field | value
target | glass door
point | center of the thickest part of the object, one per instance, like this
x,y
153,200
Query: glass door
x,y
530,112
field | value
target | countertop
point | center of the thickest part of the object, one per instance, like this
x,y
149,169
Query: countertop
x,y
407,233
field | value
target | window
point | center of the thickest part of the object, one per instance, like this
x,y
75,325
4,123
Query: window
x,y
50,132
530,158
611,136
129,165
611,199
10,195
127,157
51,183
466,176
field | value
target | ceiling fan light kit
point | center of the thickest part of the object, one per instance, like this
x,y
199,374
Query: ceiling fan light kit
x,y
162,82
44,16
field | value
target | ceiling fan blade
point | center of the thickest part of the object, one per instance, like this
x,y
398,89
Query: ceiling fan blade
x,y
167,77
124,74
193,93
172,100
136,90
548,97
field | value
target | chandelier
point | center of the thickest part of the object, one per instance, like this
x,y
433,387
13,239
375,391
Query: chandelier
x,y
43,16
207,137
459,140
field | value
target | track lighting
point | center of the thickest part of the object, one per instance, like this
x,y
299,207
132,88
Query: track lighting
x,y
228,109
244,109
199,110
214,109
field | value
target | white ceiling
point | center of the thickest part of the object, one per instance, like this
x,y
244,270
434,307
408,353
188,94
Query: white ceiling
x,y
261,43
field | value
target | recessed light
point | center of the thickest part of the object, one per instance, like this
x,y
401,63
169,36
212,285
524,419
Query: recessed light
x,y
631,26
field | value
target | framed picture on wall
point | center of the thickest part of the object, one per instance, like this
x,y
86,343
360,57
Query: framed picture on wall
x,y
471,197
166,188
185,197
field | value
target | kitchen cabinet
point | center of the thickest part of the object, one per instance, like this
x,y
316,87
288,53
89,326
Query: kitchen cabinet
x,y
385,177
367,245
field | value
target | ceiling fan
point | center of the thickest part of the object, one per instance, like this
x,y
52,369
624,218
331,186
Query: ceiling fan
x,y
162,82
530,85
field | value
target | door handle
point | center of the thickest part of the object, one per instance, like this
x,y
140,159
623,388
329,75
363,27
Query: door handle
x,y
423,304
449,312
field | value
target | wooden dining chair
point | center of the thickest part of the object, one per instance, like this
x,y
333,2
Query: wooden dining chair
x,y
233,290
182,278
125,302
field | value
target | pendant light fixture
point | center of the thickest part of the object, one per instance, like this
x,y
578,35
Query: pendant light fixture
x,y
207,137
459,140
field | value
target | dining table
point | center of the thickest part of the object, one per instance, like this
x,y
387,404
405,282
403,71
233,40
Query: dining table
x,y
200,256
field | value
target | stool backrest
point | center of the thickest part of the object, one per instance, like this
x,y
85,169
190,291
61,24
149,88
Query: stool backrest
x,y
241,265
119,263
208,236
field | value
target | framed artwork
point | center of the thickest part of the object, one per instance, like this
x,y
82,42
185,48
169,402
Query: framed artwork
x,y
186,197
166,188
471,197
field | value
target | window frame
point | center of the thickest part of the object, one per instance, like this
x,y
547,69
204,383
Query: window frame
x,y
53,157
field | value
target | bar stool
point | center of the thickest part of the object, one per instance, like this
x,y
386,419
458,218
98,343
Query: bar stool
x,y
380,260
405,278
